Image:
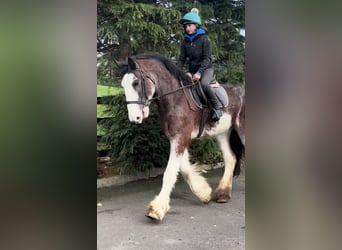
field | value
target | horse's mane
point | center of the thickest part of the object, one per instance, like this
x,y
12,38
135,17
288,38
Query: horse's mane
x,y
170,66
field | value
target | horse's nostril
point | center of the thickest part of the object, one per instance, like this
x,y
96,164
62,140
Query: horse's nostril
x,y
138,118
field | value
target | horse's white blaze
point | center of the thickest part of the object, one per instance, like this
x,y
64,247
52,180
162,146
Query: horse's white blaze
x,y
135,111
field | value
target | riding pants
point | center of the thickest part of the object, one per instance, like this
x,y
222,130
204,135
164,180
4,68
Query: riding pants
x,y
206,78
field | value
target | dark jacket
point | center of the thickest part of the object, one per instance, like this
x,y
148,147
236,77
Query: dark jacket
x,y
197,49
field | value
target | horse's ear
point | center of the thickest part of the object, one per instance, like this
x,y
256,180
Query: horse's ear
x,y
131,64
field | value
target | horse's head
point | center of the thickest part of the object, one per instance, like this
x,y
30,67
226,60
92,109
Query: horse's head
x,y
139,89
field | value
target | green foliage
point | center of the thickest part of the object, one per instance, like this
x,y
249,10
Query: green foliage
x,y
127,27
103,90
205,151
136,147
142,147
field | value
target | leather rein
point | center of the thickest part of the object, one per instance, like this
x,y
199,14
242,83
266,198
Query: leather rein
x,y
146,101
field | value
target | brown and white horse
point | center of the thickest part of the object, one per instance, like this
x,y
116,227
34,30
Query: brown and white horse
x,y
151,77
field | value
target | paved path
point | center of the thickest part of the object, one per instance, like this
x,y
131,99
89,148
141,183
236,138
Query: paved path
x,y
121,221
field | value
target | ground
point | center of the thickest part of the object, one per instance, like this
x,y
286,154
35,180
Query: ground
x,y
121,221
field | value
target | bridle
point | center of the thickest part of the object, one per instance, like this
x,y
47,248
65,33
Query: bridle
x,y
142,80
146,101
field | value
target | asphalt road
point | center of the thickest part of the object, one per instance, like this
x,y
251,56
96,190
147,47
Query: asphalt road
x,y
189,224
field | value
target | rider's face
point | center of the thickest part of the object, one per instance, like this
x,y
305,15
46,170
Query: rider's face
x,y
190,28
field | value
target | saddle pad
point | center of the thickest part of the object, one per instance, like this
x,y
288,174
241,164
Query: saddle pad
x,y
219,91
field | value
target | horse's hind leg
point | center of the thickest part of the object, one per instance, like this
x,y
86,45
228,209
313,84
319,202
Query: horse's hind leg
x,y
224,190
197,183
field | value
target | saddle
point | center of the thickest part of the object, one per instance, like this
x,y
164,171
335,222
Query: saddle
x,y
198,95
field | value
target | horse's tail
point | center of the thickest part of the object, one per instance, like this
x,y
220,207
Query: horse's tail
x,y
238,149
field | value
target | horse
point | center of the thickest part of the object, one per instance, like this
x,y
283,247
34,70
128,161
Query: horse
x,y
152,77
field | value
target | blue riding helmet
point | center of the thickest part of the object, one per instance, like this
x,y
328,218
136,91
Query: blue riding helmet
x,y
191,17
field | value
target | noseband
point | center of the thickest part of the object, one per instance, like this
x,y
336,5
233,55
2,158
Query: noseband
x,y
147,101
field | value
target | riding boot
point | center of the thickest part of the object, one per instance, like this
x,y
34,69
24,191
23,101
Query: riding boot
x,y
214,103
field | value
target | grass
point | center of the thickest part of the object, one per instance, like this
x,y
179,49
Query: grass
x,y
104,90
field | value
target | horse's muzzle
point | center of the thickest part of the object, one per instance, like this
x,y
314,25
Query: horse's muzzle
x,y
138,115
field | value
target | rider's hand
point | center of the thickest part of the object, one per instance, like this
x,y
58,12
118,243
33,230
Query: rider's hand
x,y
196,77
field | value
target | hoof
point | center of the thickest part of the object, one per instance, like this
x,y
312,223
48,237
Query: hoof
x,y
222,200
204,193
150,217
206,201
222,195
151,214
157,211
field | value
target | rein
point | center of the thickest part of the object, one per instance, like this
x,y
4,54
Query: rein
x,y
149,101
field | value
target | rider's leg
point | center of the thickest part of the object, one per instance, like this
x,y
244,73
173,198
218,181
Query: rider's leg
x,y
206,78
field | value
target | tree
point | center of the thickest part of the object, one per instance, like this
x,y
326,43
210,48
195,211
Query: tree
x,y
130,27
126,28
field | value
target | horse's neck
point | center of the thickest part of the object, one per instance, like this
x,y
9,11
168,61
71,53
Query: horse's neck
x,y
168,88
171,93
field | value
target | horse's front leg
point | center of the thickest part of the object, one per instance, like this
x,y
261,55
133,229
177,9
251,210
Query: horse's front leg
x,y
160,205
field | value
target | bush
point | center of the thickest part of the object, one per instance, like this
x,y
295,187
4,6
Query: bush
x,y
142,147
205,151
134,147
